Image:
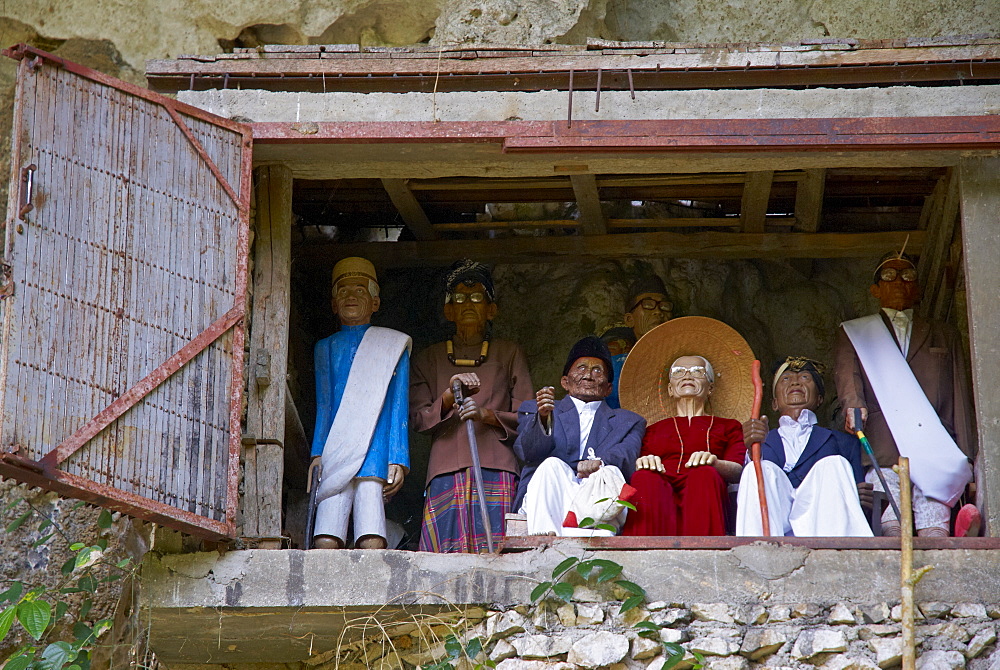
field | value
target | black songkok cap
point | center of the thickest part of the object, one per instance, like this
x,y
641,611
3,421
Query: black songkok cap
x,y
468,272
798,364
650,284
590,347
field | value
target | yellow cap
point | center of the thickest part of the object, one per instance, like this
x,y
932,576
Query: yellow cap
x,y
354,266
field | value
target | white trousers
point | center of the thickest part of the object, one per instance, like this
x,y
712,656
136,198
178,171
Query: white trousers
x,y
825,504
550,492
364,496
927,513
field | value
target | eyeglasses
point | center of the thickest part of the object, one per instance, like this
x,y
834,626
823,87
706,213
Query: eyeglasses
x,y
459,298
890,274
596,371
650,304
696,371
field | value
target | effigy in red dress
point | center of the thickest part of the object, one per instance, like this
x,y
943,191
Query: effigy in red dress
x,y
681,500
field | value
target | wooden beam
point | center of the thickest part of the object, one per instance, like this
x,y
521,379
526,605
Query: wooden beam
x,y
593,248
980,202
268,362
409,208
588,202
941,232
753,208
809,201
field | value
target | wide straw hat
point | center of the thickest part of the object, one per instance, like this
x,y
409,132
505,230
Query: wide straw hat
x,y
646,374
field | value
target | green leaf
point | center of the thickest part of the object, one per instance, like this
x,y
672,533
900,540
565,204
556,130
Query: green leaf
x,y
87,583
7,620
77,546
609,572
585,568
650,634
78,505
85,608
631,603
61,608
490,663
563,591
34,615
82,557
46,522
12,504
123,563
453,647
700,658
56,655
104,520
39,542
82,631
632,587
473,648
626,504
586,522
606,526
12,594
16,523
111,578
564,566
18,662
67,567
102,544
540,591
648,626
602,500
675,657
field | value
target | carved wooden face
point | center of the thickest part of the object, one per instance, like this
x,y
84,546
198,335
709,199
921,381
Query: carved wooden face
x,y
794,392
353,303
587,379
688,379
897,294
651,309
465,312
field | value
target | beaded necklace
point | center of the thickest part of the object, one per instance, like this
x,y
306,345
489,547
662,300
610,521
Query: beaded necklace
x,y
681,439
467,362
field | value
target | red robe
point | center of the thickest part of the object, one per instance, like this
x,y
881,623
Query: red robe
x,y
684,501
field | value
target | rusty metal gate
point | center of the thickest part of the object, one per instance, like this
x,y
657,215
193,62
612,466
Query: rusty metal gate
x,y
124,289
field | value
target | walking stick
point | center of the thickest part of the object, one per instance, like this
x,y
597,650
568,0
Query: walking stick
x,y
758,397
871,454
477,470
312,487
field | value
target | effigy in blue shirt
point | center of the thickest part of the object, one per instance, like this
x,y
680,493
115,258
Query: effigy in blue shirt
x,y
333,358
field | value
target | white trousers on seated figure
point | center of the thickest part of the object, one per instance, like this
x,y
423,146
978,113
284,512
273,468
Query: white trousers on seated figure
x,y
825,504
363,496
550,492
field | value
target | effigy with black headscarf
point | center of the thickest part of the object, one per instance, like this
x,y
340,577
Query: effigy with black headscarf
x,y
800,364
469,272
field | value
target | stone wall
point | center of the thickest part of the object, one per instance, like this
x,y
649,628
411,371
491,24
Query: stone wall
x,y
576,635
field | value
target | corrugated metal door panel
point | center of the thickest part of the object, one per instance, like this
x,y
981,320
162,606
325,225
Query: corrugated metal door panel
x,y
122,345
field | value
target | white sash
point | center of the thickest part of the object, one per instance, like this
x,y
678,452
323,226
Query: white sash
x,y
937,465
353,426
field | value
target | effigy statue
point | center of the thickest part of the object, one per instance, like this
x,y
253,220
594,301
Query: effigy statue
x,y
907,377
689,377
576,452
360,445
813,477
494,379
646,307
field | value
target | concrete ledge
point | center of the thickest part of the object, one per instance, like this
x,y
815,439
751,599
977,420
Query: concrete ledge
x,y
282,606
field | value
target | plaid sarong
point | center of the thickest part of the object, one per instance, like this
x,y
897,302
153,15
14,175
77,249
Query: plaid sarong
x,y
452,521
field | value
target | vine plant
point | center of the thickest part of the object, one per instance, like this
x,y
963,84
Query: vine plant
x,y
602,571
39,609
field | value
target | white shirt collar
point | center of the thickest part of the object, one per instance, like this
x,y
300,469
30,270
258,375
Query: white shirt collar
x,y
585,407
898,313
807,419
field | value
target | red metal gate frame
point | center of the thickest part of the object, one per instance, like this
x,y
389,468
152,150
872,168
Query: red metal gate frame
x,y
45,473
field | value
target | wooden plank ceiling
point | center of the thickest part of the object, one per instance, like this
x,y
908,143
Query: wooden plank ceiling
x,y
793,213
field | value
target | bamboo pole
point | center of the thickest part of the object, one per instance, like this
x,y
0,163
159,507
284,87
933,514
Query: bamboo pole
x,y
906,565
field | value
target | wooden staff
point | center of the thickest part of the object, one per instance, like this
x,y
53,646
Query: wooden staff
x,y
758,397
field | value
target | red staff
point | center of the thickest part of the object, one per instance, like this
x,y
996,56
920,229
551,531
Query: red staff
x,y
758,396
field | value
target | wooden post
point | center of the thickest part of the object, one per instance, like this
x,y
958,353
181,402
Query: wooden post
x,y
268,360
980,206
907,611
